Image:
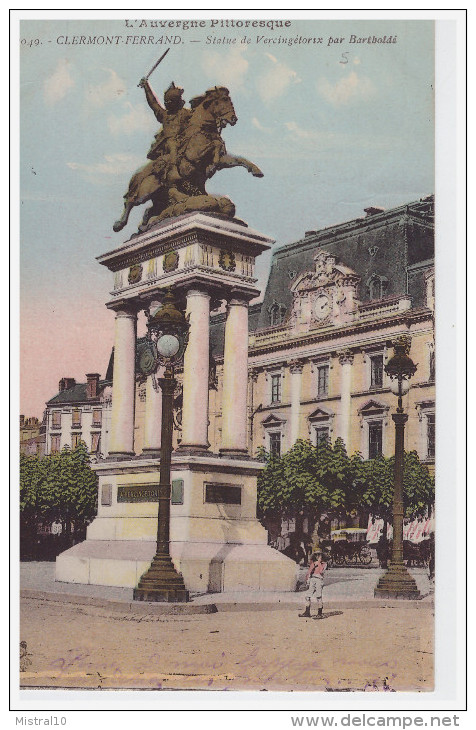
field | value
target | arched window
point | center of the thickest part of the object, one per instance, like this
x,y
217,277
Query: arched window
x,y
276,313
377,286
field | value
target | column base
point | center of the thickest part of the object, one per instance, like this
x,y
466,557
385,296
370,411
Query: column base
x,y
397,583
234,453
192,449
120,456
149,454
161,582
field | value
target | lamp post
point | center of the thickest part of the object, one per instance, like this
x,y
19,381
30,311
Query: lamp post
x,y
167,334
397,581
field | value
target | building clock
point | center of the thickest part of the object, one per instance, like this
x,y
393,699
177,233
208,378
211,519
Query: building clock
x,y
322,306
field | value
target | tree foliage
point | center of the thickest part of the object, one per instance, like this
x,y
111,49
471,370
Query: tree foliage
x,y
324,478
59,486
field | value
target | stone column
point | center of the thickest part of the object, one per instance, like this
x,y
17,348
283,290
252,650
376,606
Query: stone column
x,y
195,373
121,441
235,380
296,367
153,416
346,359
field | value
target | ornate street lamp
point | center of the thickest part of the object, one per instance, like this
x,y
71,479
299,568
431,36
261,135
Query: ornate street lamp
x,y
397,581
167,335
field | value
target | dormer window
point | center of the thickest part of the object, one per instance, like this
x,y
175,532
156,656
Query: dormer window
x,y
276,313
377,286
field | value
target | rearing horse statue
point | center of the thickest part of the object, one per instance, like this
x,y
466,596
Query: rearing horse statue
x,y
187,152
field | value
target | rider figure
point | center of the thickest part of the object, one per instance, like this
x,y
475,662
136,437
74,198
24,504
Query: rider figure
x,y
174,118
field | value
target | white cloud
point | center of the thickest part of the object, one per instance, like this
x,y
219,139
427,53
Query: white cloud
x,y
256,123
227,69
274,82
59,83
110,90
294,128
112,165
350,89
138,118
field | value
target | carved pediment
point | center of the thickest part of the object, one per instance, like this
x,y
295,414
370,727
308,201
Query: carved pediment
x,y
373,406
327,273
273,420
320,414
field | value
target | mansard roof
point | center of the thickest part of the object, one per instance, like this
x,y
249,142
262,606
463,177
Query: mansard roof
x,y
386,243
76,394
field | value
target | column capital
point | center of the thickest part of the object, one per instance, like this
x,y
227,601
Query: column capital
x,y
254,373
296,366
237,302
198,292
345,356
124,308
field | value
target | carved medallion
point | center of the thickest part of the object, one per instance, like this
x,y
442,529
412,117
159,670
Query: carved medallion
x,y
135,274
227,261
171,261
147,360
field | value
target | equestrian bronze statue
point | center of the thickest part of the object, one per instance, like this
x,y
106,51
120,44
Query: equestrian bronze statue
x,y
187,151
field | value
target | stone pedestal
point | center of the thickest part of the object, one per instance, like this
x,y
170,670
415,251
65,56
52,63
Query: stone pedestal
x,y
216,545
216,540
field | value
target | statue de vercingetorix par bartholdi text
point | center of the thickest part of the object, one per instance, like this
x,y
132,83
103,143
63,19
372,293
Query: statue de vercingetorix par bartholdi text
x,y
187,151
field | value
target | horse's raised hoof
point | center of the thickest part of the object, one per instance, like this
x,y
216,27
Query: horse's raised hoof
x,y
118,226
256,172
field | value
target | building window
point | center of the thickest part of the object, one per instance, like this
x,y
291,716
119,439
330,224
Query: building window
x,y
376,371
322,380
430,436
375,439
275,388
76,420
95,441
275,443
56,419
97,416
322,435
276,312
75,439
55,444
378,287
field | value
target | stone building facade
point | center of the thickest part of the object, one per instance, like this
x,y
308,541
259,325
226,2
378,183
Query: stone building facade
x,y
79,412
335,302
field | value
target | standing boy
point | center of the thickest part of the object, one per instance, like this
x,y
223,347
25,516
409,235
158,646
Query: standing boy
x,y
315,580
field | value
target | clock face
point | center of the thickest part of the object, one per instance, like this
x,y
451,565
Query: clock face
x,y
322,306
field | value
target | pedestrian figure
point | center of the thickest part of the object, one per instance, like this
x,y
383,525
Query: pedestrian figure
x,y
315,580
382,551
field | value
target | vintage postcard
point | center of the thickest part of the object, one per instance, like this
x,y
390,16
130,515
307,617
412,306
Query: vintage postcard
x,y
236,308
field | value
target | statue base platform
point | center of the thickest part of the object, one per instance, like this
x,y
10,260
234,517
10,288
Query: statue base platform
x,y
216,541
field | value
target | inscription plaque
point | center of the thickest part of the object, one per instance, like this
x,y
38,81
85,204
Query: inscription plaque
x,y
222,494
138,493
106,495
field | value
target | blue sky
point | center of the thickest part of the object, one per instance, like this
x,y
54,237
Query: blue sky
x,y
335,128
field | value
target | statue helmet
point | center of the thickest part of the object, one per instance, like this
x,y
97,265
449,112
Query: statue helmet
x,y
173,94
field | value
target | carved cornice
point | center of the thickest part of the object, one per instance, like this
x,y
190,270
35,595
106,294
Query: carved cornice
x,y
336,333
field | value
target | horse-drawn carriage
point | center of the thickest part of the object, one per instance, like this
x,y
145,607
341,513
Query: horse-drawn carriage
x,y
348,547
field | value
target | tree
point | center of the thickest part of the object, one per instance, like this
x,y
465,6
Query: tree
x,y
61,486
307,479
418,486
312,479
